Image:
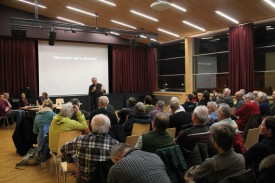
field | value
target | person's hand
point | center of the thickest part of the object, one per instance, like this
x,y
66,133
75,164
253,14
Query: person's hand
x,y
76,108
7,109
94,88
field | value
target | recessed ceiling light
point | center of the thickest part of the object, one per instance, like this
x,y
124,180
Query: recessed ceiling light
x,y
207,38
178,7
124,24
81,11
153,39
270,3
227,17
27,2
107,2
143,15
115,33
168,32
142,36
69,20
193,25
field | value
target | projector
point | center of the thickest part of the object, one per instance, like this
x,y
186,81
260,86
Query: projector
x,y
160,5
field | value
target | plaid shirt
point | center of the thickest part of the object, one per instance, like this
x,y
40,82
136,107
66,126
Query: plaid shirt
x,y
88,150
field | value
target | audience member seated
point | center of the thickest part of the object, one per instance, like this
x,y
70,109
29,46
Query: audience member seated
x,y
92,149
148,101
224,117
266,147
214,96
267,169
212,113
242,91
43,97
136,166
226,162
63,122
175,100
159,108
205,98
103,101
179,119
195,97
272,105
227,98
138,117
199,133
249,108
122,114
240,101
158,138
263,104
7,96
23,100
220,98
43,117
75,101
188,105
5,110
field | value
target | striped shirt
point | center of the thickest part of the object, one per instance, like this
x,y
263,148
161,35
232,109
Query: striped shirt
x,y
88,150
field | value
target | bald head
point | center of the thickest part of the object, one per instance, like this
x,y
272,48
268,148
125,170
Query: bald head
x,y
238,95
100,124
103,101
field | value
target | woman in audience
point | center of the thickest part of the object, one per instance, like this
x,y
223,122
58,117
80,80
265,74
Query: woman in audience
x,y
262,149
195,98
63,122
205,98
43,118
23,100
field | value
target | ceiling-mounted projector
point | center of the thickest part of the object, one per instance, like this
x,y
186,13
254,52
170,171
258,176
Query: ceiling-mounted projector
x,y
160,5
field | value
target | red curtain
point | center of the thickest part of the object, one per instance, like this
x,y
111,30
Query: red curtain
x,y
241,58
134,69
17,66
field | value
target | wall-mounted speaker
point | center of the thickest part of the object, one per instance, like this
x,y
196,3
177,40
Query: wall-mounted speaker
x,y
52,37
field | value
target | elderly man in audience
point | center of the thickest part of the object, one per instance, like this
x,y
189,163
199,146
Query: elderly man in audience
x,y
91,149
148,102
42,119
199,133
138,117
158,138
43,97
263,104
249,108
175,100
226,162
212,113
272,105
136,166
102,109
63,122
5,110
266,147
242,91
239,99
220,98
122,114
180,119
159,108
227,98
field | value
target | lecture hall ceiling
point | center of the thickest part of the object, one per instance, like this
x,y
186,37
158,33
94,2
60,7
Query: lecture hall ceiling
x,y
199,12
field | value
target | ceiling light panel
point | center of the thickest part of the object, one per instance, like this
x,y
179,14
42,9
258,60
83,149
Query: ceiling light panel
x,y
69,20
27,2
168,32
108,2
123,24
193,25
81,11
227,17
143,15
270,3
114,33
178,7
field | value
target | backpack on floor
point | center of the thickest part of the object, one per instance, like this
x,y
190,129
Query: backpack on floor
x,y
31,158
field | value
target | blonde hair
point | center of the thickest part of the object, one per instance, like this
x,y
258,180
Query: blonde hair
x,y
48,103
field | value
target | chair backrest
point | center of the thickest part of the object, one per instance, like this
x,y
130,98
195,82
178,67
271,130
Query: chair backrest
x,y
59,101
139,128
171,131
252,137
65,137
132,140
242,176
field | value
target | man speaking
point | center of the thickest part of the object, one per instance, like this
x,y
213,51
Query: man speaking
x,y
95,90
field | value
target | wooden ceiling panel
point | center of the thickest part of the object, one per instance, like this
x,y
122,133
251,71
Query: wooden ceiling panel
x,y
200,12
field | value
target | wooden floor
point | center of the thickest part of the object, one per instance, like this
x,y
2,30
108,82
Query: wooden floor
x,y
24,174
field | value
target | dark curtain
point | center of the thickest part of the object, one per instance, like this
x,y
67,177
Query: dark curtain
x,y
17,66
134,69
241,58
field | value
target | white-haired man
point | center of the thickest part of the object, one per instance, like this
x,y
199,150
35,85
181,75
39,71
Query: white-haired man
x,y
95,90
263,104
92,149
227,98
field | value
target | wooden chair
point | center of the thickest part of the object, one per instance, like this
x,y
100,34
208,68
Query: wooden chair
x,y
171,131
59,101
64,137
252,137
140,128
132,140
66,167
